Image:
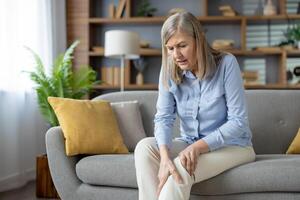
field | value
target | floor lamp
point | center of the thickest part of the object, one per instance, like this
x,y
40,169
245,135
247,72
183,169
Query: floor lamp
x,y
122,45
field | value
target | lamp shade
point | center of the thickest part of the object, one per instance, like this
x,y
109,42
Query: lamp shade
x,y
120,43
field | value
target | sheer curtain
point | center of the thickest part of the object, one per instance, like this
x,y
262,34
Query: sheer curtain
x,y
31,23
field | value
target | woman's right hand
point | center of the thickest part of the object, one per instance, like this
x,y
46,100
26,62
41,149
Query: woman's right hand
x,y
166,169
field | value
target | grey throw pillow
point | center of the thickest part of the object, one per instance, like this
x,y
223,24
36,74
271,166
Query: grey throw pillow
x,y
130,122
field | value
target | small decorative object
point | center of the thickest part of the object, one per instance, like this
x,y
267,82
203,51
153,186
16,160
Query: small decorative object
x,y
289,75
269,8
227,10
223,44
145,9
98,49
297,71
140,65
144,44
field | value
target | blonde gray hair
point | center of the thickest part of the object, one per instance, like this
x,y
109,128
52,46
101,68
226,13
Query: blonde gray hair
x,y
207,58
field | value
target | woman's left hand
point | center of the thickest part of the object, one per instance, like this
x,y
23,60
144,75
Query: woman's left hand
x,y
189,156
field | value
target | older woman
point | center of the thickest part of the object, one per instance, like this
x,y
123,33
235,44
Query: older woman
x,y
204,87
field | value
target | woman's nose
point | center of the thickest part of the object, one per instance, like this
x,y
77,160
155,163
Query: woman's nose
x,y
176,53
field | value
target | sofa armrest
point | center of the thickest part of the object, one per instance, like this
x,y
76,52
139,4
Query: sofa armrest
x,y
62,167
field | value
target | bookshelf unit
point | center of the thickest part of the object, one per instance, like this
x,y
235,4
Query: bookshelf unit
x,y
83,20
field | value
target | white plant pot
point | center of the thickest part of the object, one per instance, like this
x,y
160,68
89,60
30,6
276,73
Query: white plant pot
x,y
298,44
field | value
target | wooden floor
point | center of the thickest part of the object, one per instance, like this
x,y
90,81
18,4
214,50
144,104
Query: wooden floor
x,y
25,193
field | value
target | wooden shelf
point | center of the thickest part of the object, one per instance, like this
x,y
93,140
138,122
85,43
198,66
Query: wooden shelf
x,y
274,17
222,19
143,52
131,86
295,52
150,52
239,52
130,20
254,52
204,19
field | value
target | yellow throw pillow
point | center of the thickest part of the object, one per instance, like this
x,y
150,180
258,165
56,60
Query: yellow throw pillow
x,y
89,127
294,147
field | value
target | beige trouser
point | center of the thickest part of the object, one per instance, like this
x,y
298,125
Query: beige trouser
x,y
147,160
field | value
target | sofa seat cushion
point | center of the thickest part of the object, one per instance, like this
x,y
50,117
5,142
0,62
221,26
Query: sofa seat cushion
x,y
108,170
270,173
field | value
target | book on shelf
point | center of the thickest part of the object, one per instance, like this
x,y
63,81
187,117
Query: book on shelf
x,y
111,75
120,8
98,49
250,76
117,76
111,10
258,65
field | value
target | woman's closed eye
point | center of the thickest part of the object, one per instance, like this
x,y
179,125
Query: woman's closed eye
x,y
170,48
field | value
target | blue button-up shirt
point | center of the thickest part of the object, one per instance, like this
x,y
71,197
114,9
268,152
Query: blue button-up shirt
x,y
212,109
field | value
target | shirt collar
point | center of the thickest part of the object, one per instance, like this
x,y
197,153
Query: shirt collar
x,y
189,74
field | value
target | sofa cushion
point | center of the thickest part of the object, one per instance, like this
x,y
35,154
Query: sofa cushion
x,y
270,173
89,127
110,170
130,122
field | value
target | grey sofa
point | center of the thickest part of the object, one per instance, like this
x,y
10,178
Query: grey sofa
x,y
274,117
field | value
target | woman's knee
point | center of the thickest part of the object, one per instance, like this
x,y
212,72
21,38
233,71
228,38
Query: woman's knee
x,y
182,171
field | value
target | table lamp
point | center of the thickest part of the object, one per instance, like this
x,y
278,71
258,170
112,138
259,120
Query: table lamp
x,y
122,45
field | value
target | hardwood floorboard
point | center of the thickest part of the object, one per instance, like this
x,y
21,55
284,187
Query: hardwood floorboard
x,y
24,193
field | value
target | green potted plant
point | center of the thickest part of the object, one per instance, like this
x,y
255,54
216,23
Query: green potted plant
x,y
292,36
145,9
61,82
296,34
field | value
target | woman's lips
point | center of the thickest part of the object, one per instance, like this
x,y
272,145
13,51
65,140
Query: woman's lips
x,y
182,62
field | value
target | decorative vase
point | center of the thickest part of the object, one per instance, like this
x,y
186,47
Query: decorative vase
x,y
139,78
269,8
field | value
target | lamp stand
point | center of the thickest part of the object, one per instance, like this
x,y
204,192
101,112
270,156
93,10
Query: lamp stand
x,y
122,73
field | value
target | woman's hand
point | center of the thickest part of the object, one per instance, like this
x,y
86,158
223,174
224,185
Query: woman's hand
x,y
166,169
189,156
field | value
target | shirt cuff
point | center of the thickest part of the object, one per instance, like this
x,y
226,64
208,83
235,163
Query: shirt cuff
x,y
163,136
213,141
